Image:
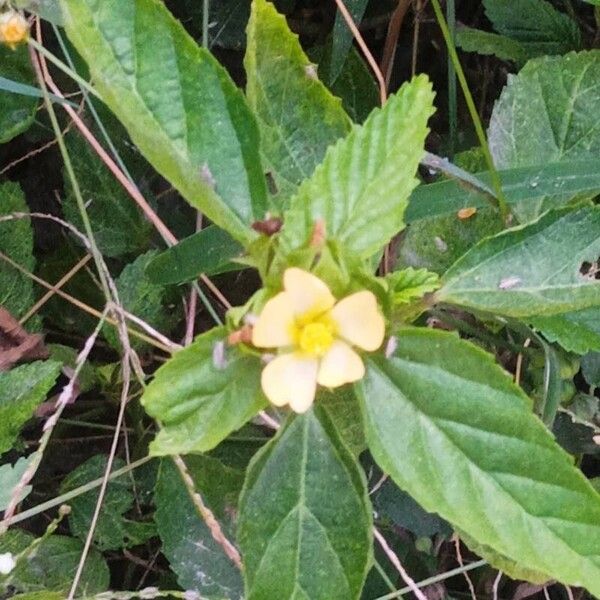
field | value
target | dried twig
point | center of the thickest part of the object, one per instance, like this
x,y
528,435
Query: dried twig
x,y
207,515
393,558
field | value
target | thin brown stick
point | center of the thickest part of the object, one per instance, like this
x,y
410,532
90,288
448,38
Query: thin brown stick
x,y
59,284
79,304
519,365
459,558
393,558
207,515
364,48
391,40
67,394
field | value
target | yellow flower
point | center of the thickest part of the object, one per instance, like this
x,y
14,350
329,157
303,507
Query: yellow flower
x,y
14,29
316,336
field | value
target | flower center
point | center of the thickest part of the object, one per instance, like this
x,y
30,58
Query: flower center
x,y
315,338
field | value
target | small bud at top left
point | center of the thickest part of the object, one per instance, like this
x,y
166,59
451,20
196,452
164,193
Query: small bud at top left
x,y
14,28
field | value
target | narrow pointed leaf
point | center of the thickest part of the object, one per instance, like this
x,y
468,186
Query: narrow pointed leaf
x,y
202,394
298,116
305,519
452,430
361,189
532,270
178,104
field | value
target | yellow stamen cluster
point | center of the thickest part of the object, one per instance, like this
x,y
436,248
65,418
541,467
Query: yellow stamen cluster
x,y
14,29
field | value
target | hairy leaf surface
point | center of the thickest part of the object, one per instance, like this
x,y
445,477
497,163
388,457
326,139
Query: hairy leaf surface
x,y
452,430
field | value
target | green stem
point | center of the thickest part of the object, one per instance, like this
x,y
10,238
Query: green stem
x,y
64,68
205,17
452,92
63,498
496,182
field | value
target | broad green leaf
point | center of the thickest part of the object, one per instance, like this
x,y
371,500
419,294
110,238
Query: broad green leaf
x,y
392,503
361,189
344,413
178,104
209,251
409,284
520,185
536,24
113,530
17,112
22,389
10,475
500,562
202,394
305,518
355,85
16,241
53,564
590,368
577,331
577,426
118,225
198,561
143,298
342,37
298,117
437,242
484,42
543,268
46,9
546,114
45,595
453,431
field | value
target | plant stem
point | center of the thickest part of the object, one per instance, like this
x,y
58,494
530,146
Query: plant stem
x,y
497,184
452,92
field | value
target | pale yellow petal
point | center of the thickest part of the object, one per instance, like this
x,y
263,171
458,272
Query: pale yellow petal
x,y
359,321
291,379
274,328
340,365
308,294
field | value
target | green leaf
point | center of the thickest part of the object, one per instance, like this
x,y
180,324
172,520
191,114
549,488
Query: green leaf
x,y
484,42
452,430
16,241
590,368
344,413
197,559
22,389
577,331
298,117
46,9
410,284
17,112
536,24
545,115
305,518
355,84
178,104
118,225
113,531
53,564
361,189
398,506
202,394
209,251
143,298
500,562
10,475
520,185
342,37
536,269
437,242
